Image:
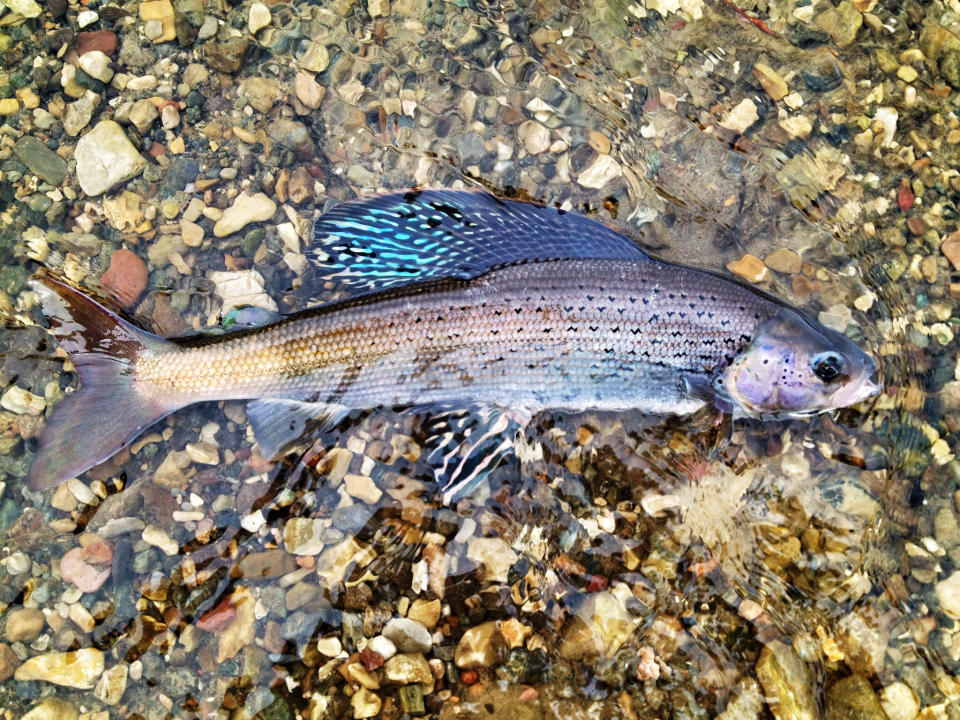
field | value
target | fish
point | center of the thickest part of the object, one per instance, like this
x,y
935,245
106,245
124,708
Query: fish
x,y
456,300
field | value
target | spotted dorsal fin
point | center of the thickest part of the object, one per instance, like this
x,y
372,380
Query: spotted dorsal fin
x,y
398,238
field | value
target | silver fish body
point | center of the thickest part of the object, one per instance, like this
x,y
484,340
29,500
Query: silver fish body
x,y
531,336
584,320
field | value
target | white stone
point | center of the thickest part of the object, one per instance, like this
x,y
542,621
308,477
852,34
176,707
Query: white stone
x,y
152,535
887,116
22,402
86,18
81,617
241,287
408,635
18,563
203,453
378,8
329,646
79,114
382,646
797,126
308,90
302,536
169,117
741,117
97,65
105,158
26,8
245,209
536,138
253,522
71,87
496,556
258,18
899,702
602,170
836,317
693,8
296,262
81,492
112,685
191,233
362,488
315,58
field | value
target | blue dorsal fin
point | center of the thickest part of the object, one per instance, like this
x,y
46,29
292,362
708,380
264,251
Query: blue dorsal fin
x,y
398,238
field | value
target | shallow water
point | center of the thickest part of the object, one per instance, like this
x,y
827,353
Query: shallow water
x,y
616,567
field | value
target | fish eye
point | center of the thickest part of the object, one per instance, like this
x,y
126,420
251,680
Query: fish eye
x,y
828,366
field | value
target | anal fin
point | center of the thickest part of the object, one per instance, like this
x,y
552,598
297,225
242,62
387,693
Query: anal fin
x,y
278,423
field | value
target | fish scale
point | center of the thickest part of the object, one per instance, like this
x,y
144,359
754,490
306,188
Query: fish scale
x,y
558,346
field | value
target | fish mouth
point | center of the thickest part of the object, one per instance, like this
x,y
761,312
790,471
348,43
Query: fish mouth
x,y
856,392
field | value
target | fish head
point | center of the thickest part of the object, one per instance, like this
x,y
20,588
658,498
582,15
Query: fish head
x,y
795,367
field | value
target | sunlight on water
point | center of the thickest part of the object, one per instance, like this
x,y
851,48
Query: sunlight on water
x,y
616,565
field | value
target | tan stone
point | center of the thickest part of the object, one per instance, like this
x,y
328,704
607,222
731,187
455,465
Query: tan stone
x,y
950,247
784,260
770,80
240,632
425,612
479,647
750,268
52,708
78,669
161,10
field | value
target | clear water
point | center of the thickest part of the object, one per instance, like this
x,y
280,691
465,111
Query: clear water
x,y
654,578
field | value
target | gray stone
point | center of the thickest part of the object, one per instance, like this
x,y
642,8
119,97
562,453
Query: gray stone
x,y
41,160
294,136
409,636
142,115
946,528
106,158
79,113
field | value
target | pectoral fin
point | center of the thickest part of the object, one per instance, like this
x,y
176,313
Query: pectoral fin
x,y
277,423
465,447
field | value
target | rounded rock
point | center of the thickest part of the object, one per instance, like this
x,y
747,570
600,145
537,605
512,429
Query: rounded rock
x,y
408,635
24,625
76,669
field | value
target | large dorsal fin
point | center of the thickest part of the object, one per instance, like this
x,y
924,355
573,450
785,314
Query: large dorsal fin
x,y
398,238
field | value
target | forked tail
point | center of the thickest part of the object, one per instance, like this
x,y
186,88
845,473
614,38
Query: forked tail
x,y
110,409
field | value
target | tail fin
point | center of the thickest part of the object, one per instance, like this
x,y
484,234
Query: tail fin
x,y
110,409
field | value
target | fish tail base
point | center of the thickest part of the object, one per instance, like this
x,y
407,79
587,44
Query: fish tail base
x,y
110,408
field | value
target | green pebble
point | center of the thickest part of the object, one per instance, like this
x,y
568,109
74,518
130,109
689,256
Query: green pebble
x,y
950,68
896,266
411,699
19,80
39,203
252,240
